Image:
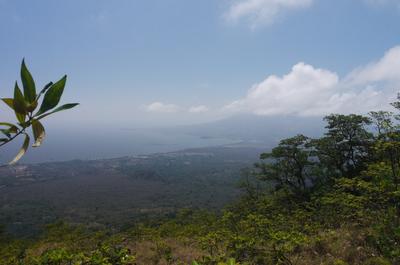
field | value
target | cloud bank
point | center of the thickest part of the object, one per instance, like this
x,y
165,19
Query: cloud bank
x,y
385,69
308,91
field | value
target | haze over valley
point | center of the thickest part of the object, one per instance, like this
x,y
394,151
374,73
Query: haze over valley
x,y
211,132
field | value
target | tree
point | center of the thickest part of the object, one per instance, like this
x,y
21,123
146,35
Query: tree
x,y
383,121
387,144
346,144
288,165
25,104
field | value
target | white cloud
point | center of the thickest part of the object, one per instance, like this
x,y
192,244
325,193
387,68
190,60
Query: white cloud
x,y
262,12
307,90
386,69
265,12
198,109
310,91
162,107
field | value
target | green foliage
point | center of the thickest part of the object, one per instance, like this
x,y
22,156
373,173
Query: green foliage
x,y
24,105
230,261
383,121
333,200
345,147
339,262
288,165
64,244
377,261
104,255
385,236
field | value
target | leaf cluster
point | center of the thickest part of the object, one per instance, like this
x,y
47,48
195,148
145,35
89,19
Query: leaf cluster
x,y
30,107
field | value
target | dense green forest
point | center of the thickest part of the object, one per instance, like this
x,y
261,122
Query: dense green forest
x,y
332,200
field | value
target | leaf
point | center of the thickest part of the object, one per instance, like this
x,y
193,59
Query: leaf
x,y
9,102
13,129
61,108
7,124
20,117
22,151
32,106
28,84
4,140
53,96
38,133
45,88
19,102
6,132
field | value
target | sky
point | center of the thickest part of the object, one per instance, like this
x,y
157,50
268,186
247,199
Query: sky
x,y
134,63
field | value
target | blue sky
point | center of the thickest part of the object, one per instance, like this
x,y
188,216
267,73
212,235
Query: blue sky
x,y
140,63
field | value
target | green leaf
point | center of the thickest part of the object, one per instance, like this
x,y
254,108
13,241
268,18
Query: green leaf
x,y
12,128
20,117
9,102
28,84
61,108
38,133
45,88
53,96
6,132
7,124
19,101
32,106
22,151
19,104
4,140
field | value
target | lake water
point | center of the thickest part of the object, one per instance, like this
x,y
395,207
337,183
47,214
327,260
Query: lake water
x,y
67,144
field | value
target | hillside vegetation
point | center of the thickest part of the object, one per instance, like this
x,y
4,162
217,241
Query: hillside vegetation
x,y
114,193
333,200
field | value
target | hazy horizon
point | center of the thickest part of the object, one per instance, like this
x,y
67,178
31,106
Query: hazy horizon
x,y
64,143
157,64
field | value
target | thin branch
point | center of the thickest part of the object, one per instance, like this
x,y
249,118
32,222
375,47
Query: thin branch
x,y
14,136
